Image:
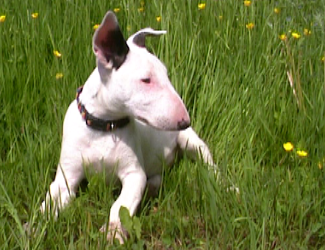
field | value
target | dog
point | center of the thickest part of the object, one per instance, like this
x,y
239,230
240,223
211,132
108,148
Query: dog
x,y
127,120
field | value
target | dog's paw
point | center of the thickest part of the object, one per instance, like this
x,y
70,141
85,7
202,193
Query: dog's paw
x,y
215,170
114,231
29,229
233,188
217,173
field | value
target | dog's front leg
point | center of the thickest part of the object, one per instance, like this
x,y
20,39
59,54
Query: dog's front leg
x,y
133,185
192,145
63,188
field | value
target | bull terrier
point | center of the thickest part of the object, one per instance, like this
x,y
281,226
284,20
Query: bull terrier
x,y
127,120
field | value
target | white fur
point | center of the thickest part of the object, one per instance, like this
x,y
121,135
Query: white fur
x,y
135,153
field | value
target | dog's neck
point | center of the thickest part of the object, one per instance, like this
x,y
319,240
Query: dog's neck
x,y
91,108
93,98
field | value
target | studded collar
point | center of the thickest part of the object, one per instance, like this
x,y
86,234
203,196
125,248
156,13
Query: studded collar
x,y
97,123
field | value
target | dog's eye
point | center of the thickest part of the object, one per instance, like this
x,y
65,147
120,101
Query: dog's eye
x,y
146,80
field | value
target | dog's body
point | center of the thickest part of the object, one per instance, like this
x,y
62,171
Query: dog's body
x,y
129,85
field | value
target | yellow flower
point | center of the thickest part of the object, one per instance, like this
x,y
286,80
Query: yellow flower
x,y
158,19
116,10
35,15
283,37
302,153
141,9
250,26
57,53
58,76
295,35
320,165
2,18
220,17
247,3
276,10
288,146
323,59
201,6
307,32
95,27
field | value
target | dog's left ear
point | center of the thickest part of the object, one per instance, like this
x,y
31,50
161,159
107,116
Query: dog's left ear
x,y
108,43
139,38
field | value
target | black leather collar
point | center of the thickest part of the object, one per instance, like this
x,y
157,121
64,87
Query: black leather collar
x,y
96,123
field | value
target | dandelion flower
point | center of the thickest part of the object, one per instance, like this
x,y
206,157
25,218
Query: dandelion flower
x,y
58,75
276,10
320,165
295,35
302,153
283,37
95,27
323,59
201,6
288,146
158,19
57,53
35,15
307,32
247,3
116,10
2,18
141,9
250,26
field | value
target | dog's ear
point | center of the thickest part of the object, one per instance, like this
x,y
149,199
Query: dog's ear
x,y
139,38
108,43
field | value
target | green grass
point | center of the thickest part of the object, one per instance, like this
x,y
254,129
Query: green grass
x,y
235,85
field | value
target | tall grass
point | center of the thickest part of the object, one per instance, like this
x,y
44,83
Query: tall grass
x,y
234,81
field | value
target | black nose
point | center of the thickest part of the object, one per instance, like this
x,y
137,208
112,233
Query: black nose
x,y
181,125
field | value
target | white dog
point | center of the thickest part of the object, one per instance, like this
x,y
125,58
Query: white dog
x,y
128,119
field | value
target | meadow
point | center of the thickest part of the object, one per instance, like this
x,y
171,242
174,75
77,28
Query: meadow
x,y
252,76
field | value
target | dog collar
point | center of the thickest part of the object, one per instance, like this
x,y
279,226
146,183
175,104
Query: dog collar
x,y
96,123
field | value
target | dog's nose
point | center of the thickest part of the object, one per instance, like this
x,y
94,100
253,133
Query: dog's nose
x,y
183,124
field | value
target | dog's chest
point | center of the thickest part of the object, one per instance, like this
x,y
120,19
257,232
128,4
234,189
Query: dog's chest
x,y
111,151
157,148
136,146
145,147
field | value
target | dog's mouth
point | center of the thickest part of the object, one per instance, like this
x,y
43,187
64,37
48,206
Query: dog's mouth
x,y
143,120
180,126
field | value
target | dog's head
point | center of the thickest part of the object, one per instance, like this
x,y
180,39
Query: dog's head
x,y
135,81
